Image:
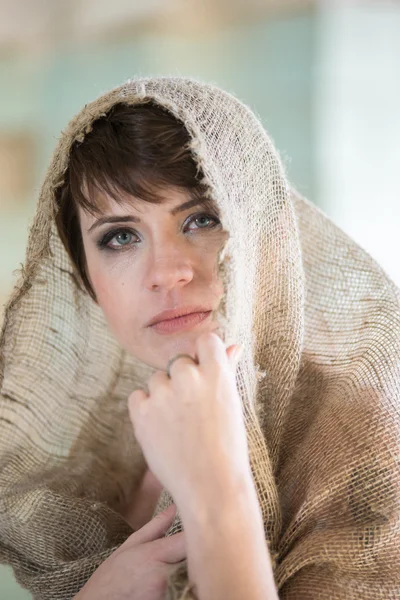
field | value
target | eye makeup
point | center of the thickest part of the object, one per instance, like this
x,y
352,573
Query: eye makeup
x,y
103,242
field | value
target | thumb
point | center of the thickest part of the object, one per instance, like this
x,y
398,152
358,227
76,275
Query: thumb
x,y
157,527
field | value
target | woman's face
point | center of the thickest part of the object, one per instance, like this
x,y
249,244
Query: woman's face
x,y
145,258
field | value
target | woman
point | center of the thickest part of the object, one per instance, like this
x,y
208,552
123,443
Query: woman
x,y
318,380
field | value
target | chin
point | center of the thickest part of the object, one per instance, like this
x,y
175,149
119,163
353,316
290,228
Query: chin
x,y
186,343
158,354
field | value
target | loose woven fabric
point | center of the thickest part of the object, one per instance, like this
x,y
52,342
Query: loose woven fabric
x,y
319,379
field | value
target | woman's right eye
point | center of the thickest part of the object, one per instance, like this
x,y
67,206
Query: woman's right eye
x,y
120,238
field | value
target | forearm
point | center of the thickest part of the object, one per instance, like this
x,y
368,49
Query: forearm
x,y
227,553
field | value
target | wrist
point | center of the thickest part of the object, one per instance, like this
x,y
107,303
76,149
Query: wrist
x,y
229,494
225,531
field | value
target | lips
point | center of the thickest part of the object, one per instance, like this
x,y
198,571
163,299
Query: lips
x,y
182,323
167,315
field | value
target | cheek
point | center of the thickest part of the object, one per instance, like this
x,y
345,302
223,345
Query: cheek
x,y
209,258
118,301
214,276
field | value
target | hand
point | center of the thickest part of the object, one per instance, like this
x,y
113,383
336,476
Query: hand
x,y
144,502
140,567
191,427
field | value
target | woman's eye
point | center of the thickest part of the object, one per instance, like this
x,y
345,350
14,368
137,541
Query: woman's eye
x,y
123,238
203,222
116,240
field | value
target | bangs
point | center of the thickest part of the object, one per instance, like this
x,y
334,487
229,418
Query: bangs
x,y
133,154
92,190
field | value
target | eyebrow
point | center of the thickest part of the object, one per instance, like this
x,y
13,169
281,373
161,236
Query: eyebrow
x,y
205,202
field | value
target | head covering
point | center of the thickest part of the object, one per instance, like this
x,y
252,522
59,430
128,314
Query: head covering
x,y
319,378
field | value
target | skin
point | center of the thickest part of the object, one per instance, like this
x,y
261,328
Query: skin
x,y
191,430
162,262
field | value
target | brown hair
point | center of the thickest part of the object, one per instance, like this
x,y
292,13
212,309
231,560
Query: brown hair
x,y
135,150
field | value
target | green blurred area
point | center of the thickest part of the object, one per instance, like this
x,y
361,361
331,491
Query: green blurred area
x,y
268,65
9,590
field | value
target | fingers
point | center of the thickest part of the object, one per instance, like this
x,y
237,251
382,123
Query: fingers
x,y
210,351
234,353
138,401
137,405
180,361
171,549
157,527
158,379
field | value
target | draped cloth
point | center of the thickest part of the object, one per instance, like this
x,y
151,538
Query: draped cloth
x,y
319,378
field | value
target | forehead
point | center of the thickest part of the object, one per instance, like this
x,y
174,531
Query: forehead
x,y
165,198
171,201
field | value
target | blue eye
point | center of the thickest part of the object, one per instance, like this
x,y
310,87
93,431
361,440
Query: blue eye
x,y
123,237
120,239
203,221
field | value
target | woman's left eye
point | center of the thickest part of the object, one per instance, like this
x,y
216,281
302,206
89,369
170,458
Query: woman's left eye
x,y
203,221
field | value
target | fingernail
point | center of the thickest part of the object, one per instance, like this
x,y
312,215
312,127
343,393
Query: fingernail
x,y
238,353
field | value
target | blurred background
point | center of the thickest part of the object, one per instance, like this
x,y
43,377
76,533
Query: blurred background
x,y
323,76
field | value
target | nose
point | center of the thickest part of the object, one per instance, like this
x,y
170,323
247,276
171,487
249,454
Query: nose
x,y
167,268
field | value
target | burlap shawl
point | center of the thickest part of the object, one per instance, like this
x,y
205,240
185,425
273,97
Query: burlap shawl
x,y
320,379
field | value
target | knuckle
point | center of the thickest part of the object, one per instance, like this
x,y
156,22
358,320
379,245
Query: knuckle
x,y
156,378
185,368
